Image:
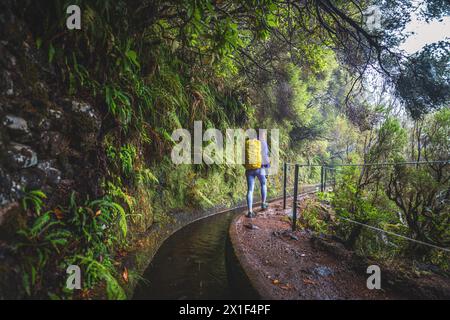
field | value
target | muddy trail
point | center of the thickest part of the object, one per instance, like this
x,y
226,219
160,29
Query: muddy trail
x,y
300,265
288,265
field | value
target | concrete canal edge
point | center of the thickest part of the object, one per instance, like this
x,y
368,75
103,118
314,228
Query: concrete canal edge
x,y
247,272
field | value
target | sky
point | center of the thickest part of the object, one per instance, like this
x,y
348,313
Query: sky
x,y
425,33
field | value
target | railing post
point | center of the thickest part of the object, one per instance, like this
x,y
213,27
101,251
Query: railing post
x,y
334,177
294,204
321,179
284,184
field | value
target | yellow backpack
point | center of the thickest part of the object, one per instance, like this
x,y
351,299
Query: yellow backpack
x,y
253,158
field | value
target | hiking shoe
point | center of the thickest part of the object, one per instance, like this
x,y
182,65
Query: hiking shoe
x,y
264,205
250,214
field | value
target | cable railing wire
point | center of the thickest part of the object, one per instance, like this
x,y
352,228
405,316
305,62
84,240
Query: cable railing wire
x,y
394,234
325,168
369,164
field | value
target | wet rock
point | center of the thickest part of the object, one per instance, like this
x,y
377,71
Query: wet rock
x,y
16,190
53,143
55,114
15,123
285,233
13,185
85,112
17,127
293,237
19,156
29,179
81,107
85,124
323,271
51,174
252,226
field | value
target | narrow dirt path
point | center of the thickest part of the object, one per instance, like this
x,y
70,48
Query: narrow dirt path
x,y
286,265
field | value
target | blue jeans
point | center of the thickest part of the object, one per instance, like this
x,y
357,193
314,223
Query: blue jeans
x,y
251,175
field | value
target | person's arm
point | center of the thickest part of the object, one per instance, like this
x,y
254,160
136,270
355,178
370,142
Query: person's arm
x,y
265,154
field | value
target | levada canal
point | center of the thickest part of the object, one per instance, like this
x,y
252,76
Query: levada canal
x,y
196,262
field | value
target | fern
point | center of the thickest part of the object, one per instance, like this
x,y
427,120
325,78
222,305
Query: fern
x,y
127,156
35,198
116,210
96,271
35,247
146,177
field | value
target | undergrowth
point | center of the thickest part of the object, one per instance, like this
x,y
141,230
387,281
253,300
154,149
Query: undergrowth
x,y
86,234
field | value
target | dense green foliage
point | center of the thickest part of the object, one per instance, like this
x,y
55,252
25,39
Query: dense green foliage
x,y
425,82
407,199
83,235
150,67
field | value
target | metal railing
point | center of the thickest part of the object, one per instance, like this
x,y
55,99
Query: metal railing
x,y
324,169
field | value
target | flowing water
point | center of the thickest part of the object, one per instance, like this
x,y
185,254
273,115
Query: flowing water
x,y
193,264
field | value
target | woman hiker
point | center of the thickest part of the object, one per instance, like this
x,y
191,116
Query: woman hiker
x,y
256,163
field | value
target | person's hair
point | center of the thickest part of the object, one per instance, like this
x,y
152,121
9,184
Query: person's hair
x,y
258,132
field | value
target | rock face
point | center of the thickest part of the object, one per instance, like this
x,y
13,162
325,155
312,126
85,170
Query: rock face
x,y
19,156
48,141
46,138
43,142
16,125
